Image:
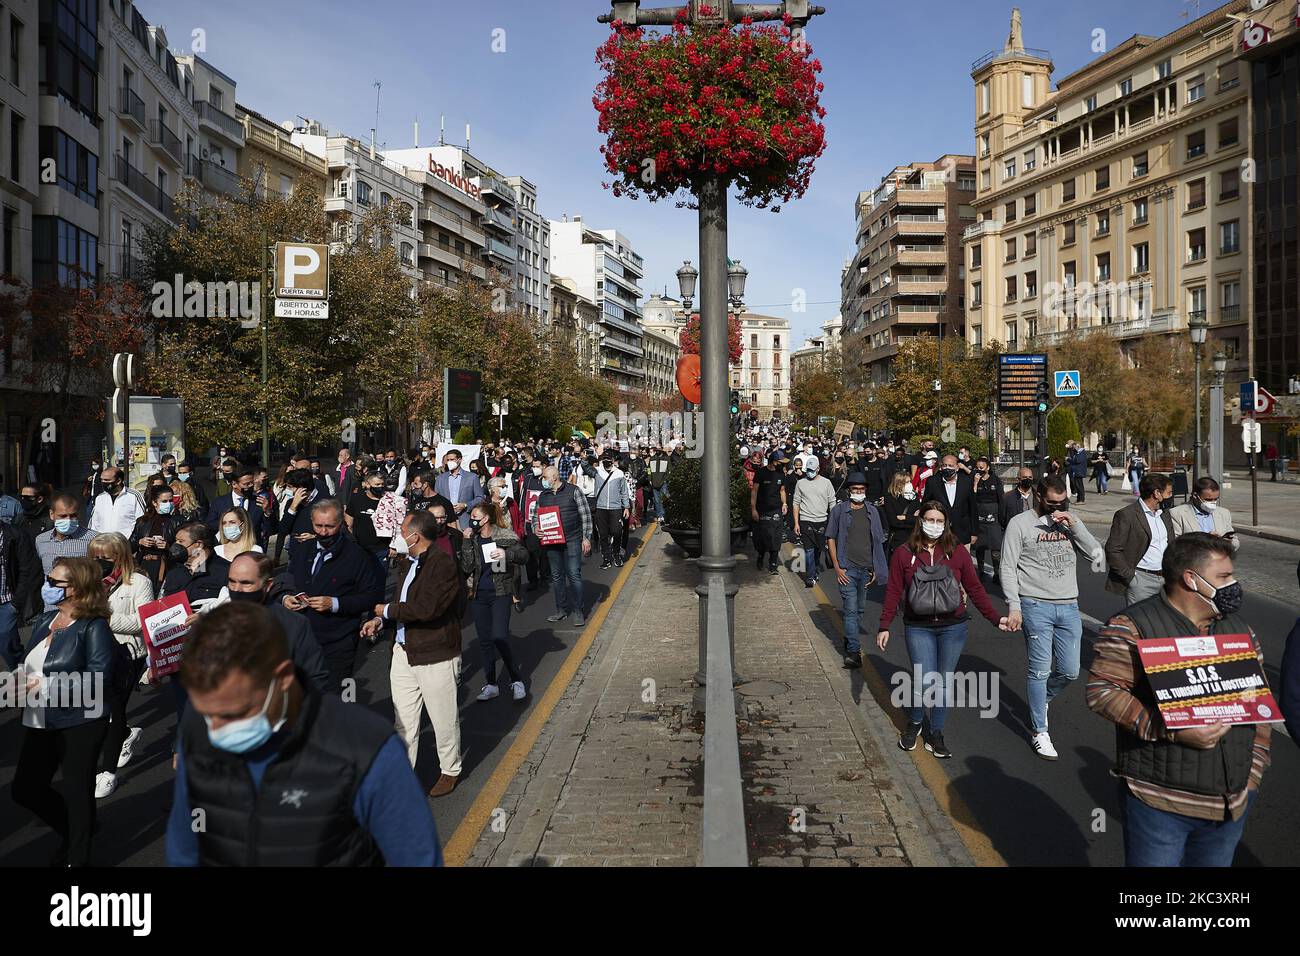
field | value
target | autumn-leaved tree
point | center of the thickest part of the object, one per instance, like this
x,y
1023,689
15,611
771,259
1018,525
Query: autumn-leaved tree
x,y
1103,374
911,406
1158,400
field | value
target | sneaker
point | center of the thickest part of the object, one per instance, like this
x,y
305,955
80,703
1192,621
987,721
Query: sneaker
x,y
105,784
133,734
518,690
558,616
907,739
618,561
579,619
852,659
488,692
774,569
934,743
1042,743
810,583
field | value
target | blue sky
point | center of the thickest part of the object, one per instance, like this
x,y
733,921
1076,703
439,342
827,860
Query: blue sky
x,y
897,78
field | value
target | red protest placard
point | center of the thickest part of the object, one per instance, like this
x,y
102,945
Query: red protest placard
x,y
163,628
530,495
549,528
1204,679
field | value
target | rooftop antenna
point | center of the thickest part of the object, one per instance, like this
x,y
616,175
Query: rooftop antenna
x,y
442,130
417,133
1186,13
373,129
467,137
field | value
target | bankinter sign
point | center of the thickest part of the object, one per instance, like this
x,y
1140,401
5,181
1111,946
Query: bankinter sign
x,y
453,178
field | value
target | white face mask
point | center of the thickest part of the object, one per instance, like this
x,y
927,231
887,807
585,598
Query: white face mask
x,y
537,470
909,494
1209,506
933,529
858,497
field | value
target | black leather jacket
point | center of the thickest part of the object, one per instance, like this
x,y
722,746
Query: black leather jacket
x,y
84,648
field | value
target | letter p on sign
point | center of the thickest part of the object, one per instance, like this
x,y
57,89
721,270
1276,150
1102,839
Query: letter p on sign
x,y
302,271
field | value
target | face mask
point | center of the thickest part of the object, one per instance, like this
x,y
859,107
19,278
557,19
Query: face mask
x,y
474,523
252,597
810,471
178,553
1225,600
858,497
165,507
909,494
231,531
327,541
537,471
183,476
1026,483
106,566
933,529
546,484
948,473
52,595
376,490
981,471
241,736
315,469
31,506
1207,506
65,525
453,465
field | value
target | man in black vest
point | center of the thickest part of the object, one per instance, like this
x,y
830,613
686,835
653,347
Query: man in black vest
x,y
282,774
565,559
1184,793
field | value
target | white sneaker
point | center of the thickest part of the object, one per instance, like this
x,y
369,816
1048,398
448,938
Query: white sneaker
x,y
517,688
488,692
1042,742
133,734
105,784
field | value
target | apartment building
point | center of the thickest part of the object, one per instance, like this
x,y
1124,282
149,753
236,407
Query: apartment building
x,y
905,278
359,179
1115,200
215,162
575,322
533,245
661,354
763,373
483,183
21,101
272,162
811,357
451,217
607,271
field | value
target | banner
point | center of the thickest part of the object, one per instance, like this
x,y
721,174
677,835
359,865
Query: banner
x,y
549,528
163,628
1206,679
468,453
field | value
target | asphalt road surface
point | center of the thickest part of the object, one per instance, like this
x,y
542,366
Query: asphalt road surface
x,y
133,820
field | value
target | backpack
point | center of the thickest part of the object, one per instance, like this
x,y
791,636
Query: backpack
x,y
933,591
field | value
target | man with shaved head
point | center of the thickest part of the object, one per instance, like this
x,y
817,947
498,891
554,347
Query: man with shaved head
x,y
117,506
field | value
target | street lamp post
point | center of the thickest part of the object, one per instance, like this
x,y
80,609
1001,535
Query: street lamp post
x,y
1197,327
1220,365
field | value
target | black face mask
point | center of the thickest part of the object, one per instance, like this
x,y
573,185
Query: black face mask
x,y
474,523
178,553
32,506
327,541
1026,483
376,490
251,597
106,566
1226,600
948,473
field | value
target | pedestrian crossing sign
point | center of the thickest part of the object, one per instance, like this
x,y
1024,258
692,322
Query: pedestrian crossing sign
x,y
1067,384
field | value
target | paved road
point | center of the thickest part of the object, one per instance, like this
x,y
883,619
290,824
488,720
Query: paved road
x,y
133,819
1040,813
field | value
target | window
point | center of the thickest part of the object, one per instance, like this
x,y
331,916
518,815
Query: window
x,y
976,256
776,344
1103,267
15,146
984,97
1031,244
986,180
363,193
1011,289
1010,211
1031,160
10,238
776,379
1090,104
1230,302
1230,237
966,182
753,380
978,332
1196,194
1068,231
976,294
1140,211
1140,167
1126,86
1141,258
1026,90
216,97
1031,204
1067,269
1103,177
63,253
408,254
1009,171
984,145
1196,144
1196,302
1228,135
286,185
1196,245
1196,89
15,51
753,359
1228,75
1103,223
1163,70
1229,184
753,341
1011,336
1067,190
753,398
1011,250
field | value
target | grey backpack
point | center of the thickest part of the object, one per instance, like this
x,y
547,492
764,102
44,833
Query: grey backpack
x,y
933,591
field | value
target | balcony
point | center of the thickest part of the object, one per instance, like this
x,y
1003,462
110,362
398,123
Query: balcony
x,y
217,179
930,285
1229,314
138,183
164,140
910,194
623,325
131,107
612,343
442,252
923,255
499,219
502,250
497,187
985,227
223,122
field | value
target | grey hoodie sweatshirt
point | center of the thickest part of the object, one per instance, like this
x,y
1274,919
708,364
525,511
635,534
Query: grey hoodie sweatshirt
x,y
1038,559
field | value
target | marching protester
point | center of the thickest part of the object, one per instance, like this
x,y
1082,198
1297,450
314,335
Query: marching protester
x,y
193,566
1019,499
814,497
988,493
117,506
1101,471
67,539
236,534
424,672
487,555
612,506
63,727
657,468
1039,581
241,497
899,510
127,590
20,588
855,539
1185,793
35,518
345,477
1139,534
1076,466
1137,467
360,518
927,578
955,489
460,487
350,797
572,542
1204,513
251,579
768,507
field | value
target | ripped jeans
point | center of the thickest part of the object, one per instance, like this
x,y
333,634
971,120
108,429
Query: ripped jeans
x,y
1053,635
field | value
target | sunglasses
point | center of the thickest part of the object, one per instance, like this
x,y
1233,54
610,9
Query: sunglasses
x,y
55,583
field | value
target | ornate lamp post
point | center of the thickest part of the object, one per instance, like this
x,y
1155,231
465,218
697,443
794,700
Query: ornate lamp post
x,y
1197,327
1220,365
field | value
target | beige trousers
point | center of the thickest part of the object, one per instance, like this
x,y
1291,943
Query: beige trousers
x,y
433,687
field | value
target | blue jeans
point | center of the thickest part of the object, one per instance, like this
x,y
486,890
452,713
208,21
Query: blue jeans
x,y
1053,633
853,597
657,497
935,652
1158,838
566,575
11,644
1103,482
492,628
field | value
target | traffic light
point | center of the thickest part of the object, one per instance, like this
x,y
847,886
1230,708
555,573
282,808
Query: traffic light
x,y
735,402
1042,398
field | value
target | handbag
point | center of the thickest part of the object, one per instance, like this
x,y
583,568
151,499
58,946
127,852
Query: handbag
x,y
933,591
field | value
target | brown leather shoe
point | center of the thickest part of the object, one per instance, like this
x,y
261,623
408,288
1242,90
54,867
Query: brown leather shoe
x,y
445,785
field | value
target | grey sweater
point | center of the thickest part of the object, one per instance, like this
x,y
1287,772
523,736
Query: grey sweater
x,y
1038,559
814,497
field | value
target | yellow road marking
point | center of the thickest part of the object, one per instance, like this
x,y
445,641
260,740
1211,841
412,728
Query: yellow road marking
x,y
950,802
461,844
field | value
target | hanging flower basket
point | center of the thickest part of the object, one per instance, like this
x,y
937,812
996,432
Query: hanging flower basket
x,y
689,339
738,103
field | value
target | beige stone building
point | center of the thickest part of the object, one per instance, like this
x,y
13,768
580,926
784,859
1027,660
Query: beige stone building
x,y
575,322
904,278
273,162
1115,200
661,353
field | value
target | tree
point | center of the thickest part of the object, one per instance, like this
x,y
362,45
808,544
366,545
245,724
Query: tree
x,y
689,340
913,407
1158,401
1062,427
815,395
1104,375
